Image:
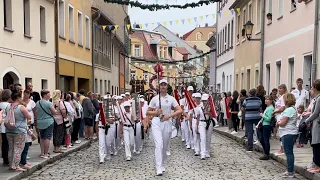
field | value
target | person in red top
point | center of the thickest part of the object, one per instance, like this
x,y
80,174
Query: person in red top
x,y
228,100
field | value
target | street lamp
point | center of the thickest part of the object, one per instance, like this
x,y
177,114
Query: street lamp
x,y
248,28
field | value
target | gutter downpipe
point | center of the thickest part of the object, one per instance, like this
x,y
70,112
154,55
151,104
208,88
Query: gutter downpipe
x,y
56,44
315,46
92,50
215,55
262,41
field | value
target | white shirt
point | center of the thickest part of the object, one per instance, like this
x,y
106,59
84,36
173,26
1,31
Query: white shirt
x,y
301,97
3,106
144,110
183,102
71,111
127,117
167,103
280,103
30,107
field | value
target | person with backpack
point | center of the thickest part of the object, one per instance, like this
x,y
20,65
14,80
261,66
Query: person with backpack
x,y
16,129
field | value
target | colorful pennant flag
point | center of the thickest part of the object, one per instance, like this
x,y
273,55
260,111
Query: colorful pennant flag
x,y
182,20
238,10
170,23
116,27
189,20
177,21
110,27
201,18
213,16
232,11
195,19
140,25
165,23
128,26
226,13
104,27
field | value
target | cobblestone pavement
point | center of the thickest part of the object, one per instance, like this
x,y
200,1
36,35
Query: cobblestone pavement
x,y
228,161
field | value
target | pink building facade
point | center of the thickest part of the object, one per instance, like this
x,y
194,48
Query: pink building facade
x,y
288,43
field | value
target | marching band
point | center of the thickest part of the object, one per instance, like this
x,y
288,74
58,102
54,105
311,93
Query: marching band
x,y
128,119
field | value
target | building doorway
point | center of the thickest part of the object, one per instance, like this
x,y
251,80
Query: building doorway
x,y
307,68
84,84
9,78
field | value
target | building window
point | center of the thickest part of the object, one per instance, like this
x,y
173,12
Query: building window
x,y
61,18
231,42
225,37
270,6
109,84
87,32
223,82
223,40
71,23
7,14
165,49
278,80
230,82
145,76
26,17
95,85
256,78
160,52
259,13
237,81
101,90
239,28
248,79
280,10
218,44
291,73
293,5
44,84
250,12
80,29
228,37
268,78
242,80
244,20
227,83
42,24
137,50
198,36
105,86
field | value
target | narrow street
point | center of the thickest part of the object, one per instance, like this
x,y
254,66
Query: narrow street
x,y
228,161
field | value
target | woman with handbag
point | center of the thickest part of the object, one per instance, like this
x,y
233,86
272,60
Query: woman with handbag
x,y
265,129
59,130
45,122
315,119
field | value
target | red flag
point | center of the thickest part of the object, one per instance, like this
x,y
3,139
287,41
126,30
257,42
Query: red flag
x,y
176,96
101,114
227,108
212,108
191,103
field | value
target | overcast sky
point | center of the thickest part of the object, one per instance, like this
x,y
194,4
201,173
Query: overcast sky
x,y
139,16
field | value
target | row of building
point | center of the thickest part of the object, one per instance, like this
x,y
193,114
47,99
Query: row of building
x,y
62,44
264,42
165,46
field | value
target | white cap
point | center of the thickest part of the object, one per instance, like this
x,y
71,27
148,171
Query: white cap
x,y
127,93
197,95
119,97
123,95
141,100
163,81
205,97
193,95
126,104
114,96
183,93
190,88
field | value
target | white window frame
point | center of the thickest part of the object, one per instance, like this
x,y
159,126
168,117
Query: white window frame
x,y
27,18
197,38
45,29
258,17
71,36
80,36
88,37
244,18
292,7
165,52
238,28
64,19
280,11
291,72
9,16
250,14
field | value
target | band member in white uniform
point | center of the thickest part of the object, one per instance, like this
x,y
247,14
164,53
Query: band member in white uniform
x,y
138,136
103,145
116,142
183,123
187,129
209,131
161,124
127,130
194,113
201,126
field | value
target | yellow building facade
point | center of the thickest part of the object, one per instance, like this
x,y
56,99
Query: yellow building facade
x,y
75,54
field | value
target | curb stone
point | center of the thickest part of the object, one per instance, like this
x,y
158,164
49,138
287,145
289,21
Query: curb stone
x,y
51,160
301,170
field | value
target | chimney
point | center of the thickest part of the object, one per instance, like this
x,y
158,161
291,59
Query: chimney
x,y
206,25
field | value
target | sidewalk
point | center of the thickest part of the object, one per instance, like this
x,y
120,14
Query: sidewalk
x,y
37,162
303,156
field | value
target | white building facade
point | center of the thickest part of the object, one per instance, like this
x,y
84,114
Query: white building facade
x,y
225,47
27,43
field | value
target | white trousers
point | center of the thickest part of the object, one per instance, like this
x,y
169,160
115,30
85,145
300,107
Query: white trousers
x,y
138,138
186,130
116,144
110,138
161,132
203,138
102,145
128,137
208,138
182,128
196,136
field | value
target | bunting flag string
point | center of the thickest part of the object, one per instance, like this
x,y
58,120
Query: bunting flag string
x,y
156,7
170,61
175,77
190,20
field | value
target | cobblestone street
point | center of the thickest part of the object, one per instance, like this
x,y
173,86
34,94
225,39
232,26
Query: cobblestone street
x,y
228,161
